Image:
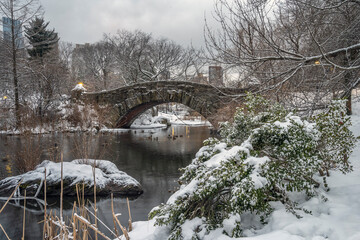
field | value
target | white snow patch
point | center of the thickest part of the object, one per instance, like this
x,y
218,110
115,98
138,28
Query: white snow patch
x,y
259,181
224,154
79,170
184,189
189,226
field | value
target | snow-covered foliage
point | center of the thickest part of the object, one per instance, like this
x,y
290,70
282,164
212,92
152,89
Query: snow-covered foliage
x,y
264,157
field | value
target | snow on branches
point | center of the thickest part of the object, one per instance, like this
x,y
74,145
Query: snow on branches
x,y
266,154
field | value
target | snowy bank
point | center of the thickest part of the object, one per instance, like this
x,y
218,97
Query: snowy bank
x,y
147,121
109,179
336,218
163,120
181,120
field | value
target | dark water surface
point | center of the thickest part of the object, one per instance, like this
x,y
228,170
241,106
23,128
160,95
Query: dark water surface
x,y
153,157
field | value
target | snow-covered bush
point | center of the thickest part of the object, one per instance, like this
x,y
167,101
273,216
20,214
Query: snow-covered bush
x,y
263,156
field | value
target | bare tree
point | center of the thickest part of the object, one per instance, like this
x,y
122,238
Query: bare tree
x,y
95,61
194,62
309,49
131,57
47,81
65,51
161,58
16,14
140,57
4,68
130,48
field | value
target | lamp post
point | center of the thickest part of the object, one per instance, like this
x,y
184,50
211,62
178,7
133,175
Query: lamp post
x,y
77,90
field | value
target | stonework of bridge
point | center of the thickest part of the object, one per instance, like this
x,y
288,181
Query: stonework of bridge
x,y
215,104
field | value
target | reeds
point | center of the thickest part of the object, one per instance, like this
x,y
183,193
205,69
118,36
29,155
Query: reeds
x,y
79,226
23,233
28,157
7,201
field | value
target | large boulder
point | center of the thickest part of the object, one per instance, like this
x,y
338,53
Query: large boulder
x,y
108,178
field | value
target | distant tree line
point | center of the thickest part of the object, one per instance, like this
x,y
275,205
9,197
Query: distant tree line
x,y
131,57
300,52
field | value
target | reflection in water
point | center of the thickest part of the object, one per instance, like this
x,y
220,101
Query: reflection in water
x,y
153,157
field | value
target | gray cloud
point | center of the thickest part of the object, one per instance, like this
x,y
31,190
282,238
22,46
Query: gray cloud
x,y
81,21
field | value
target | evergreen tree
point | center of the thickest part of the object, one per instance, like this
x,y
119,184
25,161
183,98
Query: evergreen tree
x,y
41,39
44,63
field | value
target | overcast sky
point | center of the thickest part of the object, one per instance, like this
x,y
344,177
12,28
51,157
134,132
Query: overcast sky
x,y
81,21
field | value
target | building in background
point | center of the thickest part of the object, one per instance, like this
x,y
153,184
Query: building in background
x,y
7,22
165,75
216,76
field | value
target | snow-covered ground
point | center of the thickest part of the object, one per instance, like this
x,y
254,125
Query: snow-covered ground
x,y
147,121
338,218
179,120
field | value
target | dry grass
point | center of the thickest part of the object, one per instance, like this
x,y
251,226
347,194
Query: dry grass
x,y
107,115
88,146
91,116
30,154
3,207
79,226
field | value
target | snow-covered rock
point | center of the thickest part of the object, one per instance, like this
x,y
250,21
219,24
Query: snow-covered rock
x,y
109,179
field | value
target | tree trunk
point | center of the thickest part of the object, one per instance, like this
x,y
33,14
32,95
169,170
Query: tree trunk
x,y
14,67
154,111
105,78
348,81
348,104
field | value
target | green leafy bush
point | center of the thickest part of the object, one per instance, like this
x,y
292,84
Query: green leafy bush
x,y
265,154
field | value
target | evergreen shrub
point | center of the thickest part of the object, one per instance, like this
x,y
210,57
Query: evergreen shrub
x,y
263,156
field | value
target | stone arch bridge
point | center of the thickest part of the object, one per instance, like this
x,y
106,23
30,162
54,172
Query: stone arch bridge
x,y
215,104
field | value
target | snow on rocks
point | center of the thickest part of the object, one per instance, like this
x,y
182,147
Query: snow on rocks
x,y
109,179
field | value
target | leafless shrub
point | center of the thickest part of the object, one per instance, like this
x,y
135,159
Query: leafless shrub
x,y
107,115
29,155
75,118
88,146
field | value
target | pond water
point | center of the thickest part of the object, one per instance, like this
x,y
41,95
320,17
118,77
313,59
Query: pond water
x,y
153,157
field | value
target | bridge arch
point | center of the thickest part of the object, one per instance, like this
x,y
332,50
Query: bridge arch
x,y
128,119
215,104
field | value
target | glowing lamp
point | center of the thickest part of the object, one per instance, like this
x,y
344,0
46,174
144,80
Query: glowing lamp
x,y
81,84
